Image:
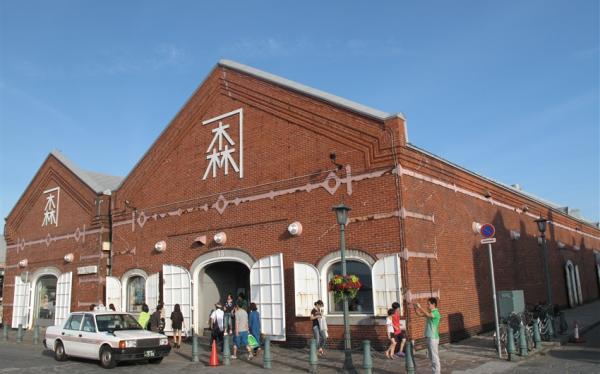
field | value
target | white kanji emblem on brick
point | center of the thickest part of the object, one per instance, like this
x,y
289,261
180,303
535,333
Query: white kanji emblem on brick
x,y
51,207
223,152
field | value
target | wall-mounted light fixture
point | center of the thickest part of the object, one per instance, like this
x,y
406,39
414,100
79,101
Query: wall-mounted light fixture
x,y
295,228
515,235
201,240
220,238
23,263
106,246
560,244
160,246
69,258
476,226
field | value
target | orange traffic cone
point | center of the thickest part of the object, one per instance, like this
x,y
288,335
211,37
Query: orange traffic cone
x,y
214,358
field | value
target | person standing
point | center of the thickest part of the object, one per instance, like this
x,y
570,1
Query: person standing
x,y
399,334
432,331
176,324
155,319
319,326
227,316
254,324
242,299
241,331
216,324
144,316
389,324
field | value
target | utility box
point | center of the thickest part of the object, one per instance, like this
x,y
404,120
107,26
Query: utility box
x,y
510,301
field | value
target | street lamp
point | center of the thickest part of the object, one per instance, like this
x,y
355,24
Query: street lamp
x,y
341,213
541,224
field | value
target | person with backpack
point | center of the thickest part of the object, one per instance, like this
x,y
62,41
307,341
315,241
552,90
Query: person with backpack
x,y
216,324
176,324
155,319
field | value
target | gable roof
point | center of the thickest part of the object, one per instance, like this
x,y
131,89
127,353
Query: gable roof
x,y
309,91
96,181
99,183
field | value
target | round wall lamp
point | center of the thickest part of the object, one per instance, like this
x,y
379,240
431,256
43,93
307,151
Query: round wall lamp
x,y
23,263
515,235
69,258
295,228
476,226
160,246
220,238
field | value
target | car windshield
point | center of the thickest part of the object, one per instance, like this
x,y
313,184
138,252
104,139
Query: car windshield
x,y
113,322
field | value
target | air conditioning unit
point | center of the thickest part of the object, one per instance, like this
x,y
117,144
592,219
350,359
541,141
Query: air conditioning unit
x,y
510,301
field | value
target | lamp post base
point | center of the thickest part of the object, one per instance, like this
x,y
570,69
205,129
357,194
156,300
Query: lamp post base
x,y
348,365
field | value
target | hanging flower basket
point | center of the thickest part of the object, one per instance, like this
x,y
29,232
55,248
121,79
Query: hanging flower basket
x,y
344,286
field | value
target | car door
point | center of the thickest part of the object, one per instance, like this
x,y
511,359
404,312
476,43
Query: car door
x,y
88,337
70,335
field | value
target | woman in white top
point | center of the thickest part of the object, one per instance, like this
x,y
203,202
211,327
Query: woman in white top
x,y
390,334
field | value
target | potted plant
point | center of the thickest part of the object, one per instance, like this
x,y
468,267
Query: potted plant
x,y
344,286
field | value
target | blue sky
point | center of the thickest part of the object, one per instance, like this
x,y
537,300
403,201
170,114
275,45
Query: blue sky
x,y
507,89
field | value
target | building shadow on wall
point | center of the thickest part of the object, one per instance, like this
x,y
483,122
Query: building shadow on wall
x,y
517,266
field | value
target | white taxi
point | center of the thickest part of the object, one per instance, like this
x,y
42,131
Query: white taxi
x,y
107,336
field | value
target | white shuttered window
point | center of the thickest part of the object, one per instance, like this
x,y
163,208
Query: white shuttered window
x,y
63,298
386,284
20,314
306,287
113,292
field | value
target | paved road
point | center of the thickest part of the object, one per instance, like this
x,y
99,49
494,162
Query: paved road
x,y
26,358
570,358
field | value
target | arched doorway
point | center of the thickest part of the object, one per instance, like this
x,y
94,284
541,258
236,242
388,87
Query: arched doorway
x,y
218,279
45,300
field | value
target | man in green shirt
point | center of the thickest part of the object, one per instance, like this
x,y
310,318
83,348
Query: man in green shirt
x,y
432,331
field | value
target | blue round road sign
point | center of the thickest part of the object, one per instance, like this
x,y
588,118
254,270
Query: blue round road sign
x,y
488,230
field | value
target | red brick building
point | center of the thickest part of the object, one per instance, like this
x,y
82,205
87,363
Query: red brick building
x,y
236,195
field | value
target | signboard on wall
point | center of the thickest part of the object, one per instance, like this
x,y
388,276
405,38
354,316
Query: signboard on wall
x,y
83,270
225,153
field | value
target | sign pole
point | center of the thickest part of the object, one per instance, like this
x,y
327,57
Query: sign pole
x,y
495,302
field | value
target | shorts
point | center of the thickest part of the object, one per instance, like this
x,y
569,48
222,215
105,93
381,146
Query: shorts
x,y
400,336
241,339
391,335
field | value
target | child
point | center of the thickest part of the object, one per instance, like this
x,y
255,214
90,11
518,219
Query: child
x,y
390,333
227,316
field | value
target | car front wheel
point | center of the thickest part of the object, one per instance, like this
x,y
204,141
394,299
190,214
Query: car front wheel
x,y
107,359
59,352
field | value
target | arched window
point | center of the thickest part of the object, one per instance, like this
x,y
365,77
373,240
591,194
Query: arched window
x,y
136,289
363,304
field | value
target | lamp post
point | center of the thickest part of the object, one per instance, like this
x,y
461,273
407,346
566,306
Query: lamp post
x,y
341,213
541,223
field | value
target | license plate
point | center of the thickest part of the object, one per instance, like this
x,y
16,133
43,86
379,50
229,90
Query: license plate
x,y
148,353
